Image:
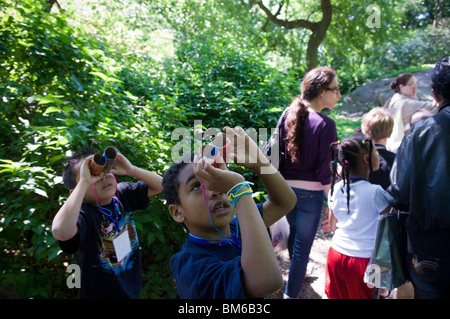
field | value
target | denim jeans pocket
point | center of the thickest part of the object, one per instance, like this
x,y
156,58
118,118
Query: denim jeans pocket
x,y
424,266
431,268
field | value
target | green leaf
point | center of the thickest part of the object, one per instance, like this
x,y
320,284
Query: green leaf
x,y
40,192
50,99
54,252
52,109
105,78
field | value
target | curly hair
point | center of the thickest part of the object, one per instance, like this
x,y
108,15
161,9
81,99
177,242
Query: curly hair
x,y
170,180
314,82
440,80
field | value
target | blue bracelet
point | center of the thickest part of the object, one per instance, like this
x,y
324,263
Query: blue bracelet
x,y
235,195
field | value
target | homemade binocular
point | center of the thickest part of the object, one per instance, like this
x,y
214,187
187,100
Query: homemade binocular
x,y
103,163
216,148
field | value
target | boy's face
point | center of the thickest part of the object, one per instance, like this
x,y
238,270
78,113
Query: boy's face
x,y
192,210
105,188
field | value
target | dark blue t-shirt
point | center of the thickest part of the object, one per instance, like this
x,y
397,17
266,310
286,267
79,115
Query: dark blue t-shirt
x,y
205,271
102,275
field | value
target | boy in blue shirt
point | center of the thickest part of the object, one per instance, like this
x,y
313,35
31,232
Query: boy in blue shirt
x,y
223,257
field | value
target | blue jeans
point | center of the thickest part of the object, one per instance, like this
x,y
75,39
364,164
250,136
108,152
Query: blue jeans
x,y
430,276
303,223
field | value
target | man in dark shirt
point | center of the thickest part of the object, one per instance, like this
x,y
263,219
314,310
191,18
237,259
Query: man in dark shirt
x,y
420,184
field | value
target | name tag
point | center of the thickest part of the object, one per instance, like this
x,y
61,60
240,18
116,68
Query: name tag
x,y
122,245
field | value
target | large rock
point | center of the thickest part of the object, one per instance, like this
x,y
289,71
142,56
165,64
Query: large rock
x,y
376,93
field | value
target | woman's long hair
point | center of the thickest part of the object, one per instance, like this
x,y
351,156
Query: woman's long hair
x,y
314,82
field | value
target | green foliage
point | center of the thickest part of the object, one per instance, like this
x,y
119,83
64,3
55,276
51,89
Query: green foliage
x,y
423,47
63,92
229,86
98,74
359,52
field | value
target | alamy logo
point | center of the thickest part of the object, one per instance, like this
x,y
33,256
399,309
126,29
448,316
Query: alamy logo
x,y
372,276
374,20
74,280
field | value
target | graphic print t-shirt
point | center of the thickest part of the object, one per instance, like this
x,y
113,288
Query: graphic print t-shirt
x,y
110,262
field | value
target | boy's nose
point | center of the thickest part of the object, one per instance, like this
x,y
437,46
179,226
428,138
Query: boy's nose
x,y
214,194
105,176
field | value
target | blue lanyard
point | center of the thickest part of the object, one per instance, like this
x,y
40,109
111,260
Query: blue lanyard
x,y
220,242
109,215
381,145
357,179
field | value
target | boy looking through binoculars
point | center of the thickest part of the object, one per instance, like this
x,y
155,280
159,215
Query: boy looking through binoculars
x,y
96,224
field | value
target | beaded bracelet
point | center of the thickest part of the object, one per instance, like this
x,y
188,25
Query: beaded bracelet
x,y
235,195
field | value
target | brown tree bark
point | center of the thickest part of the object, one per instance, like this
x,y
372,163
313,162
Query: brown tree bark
x,y
318,29
50,4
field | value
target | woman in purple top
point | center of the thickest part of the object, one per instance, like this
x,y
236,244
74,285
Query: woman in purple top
x,y
306,137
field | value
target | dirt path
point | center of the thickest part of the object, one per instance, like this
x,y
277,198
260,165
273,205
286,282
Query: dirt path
x,y
314,284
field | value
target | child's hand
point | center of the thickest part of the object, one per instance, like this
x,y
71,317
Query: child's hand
x,y
215,179
245,151
122,166
85,172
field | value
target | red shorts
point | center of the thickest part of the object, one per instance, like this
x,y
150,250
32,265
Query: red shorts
x,y
344,277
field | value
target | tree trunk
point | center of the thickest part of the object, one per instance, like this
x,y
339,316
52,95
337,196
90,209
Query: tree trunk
x,y
50,4
319,29
437,13
318,35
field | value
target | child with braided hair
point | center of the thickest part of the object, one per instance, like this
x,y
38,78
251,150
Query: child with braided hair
x,y
355,205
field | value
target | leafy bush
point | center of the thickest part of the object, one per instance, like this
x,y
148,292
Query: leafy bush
x,y
63,90
424,47
230,86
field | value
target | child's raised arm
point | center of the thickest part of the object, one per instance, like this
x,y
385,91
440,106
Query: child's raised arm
x,y
282,198
64,225
261,274
122,166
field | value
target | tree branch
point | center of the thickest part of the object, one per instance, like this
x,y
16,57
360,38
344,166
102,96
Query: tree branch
x,y
319,29
300,23
279,8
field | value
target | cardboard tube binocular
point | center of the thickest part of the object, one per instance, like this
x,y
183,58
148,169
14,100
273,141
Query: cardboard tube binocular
x,y
216,148
103,163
